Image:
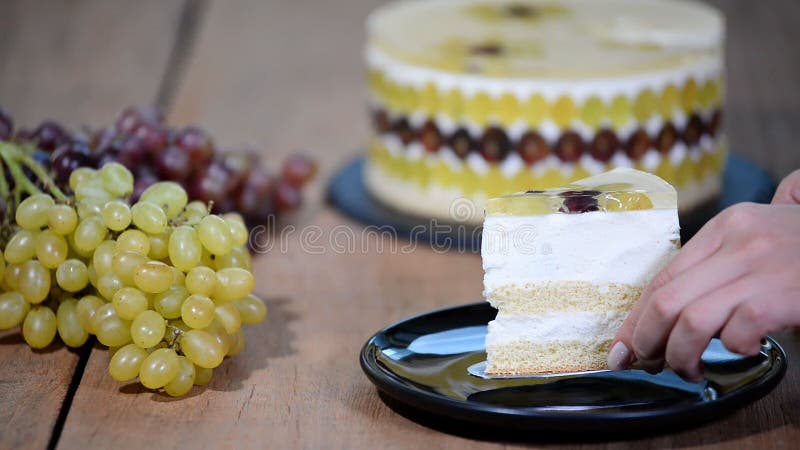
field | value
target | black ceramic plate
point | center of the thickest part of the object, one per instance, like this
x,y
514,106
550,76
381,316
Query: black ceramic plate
x,y
743,181
421,364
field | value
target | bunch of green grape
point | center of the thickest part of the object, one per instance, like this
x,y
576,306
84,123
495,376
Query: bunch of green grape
x,y
163,283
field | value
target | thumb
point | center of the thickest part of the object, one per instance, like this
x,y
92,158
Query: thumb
x,y
788,191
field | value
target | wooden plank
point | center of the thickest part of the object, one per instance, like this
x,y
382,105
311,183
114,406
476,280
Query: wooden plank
x,y
284,76
73,61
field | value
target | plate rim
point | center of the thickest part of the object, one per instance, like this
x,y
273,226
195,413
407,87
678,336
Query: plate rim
x,y
519,418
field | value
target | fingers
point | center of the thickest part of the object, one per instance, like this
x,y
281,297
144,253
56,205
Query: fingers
x,y
667,302
788,191
699,323
754,319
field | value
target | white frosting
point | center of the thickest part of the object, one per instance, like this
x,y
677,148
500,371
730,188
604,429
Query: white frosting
x,y
574,326
598,247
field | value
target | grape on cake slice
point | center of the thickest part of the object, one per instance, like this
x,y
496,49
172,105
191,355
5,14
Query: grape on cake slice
x,y
564,267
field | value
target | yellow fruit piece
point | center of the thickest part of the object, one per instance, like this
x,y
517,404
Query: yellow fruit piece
x,y
453,104
535,110
478,107
563,111
429,100
689,96
620,111
668,101
625,201
593,112
508,109
645,106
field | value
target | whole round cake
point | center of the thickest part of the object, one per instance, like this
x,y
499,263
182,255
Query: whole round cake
x,y
473,99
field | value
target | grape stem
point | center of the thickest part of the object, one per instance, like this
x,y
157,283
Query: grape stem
x,y
15,159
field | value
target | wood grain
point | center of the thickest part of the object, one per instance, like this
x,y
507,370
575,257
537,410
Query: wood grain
x,y
74,61
288,75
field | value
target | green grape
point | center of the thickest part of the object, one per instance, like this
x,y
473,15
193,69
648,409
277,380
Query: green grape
x,y
233,216
185,249
116,215
33,211
148,329
239,233
62,219
201,280
13,309
34,281
74,250
51,249
129,302
183,382
103,255
21,247
117,179
78,175
86,309
229,316
11,277
39,327
91,274
201,348
159,246
202,375
89,234
113,331
72,275
159,368
207,259
153,277
91,187
149,217
126,361
125,263
170,196
90,207
108,285
238,257
216,329
238,343
178,277
194,211
233,284
133,241
197,311
168,303
215,235
251,309
69,325
101,313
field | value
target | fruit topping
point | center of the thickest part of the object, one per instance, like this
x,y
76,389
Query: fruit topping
x,y
486,49
430,137
715,123
495,144
637,145
625,201
569,147
462,143
666,138
579,201
604,144
693,131
403,130
532,147
380,121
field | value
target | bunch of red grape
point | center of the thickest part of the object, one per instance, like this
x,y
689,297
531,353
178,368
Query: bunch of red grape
x,y
142,141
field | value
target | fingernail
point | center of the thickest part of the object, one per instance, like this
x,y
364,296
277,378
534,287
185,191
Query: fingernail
x,y
619,358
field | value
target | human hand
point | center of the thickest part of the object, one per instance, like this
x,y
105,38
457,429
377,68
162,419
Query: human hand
x,y
738,278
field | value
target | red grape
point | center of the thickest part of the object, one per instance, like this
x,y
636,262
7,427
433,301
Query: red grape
x,y
286,196
173,164
153,136
196,143
49,135
297,170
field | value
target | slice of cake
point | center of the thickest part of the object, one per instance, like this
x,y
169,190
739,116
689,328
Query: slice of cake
x,y
564,267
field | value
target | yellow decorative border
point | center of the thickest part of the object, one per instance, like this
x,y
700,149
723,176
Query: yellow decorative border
x,y
423,172
508,109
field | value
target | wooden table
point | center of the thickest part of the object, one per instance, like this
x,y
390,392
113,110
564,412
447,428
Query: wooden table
x,y
287,75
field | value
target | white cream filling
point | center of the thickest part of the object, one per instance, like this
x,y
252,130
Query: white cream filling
x,y
573,326
620,247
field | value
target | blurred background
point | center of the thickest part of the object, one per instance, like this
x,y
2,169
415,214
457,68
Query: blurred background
x,y
287,75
